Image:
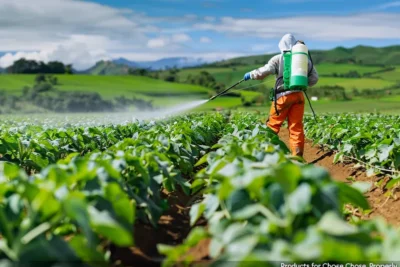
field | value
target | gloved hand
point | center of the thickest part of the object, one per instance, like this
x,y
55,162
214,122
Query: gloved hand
x,y
247,76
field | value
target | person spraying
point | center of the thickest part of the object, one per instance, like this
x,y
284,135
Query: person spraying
x,y
294,72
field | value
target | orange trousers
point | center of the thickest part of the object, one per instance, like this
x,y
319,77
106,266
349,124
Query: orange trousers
x,y
290,106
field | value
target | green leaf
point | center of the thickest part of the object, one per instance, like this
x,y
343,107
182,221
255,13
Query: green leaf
x,y
332,224
202,160
247,212
75,208
195,236
299,201
288,176
215,248
196,211
86,252
363,187
212,204
338,157
315,173
237,200
384,152
123,206
46,250
39,160
242,247
348,194
347,148
393,182
11,170
104,224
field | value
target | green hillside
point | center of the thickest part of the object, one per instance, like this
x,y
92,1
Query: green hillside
x,y
107,86
393,75
108,68
364,55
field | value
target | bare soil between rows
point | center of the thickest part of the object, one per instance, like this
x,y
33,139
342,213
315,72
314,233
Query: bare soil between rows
x,y
173,228
174,225
381,205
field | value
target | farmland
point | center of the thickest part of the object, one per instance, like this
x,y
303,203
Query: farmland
x,y
107,86
84,186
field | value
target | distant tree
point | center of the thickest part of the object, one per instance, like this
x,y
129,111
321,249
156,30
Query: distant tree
x,y
32,67
68,69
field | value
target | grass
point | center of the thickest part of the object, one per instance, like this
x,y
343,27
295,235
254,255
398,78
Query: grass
x,y
328,68
220,102
358,83
384,105
393,75
231,75
108,86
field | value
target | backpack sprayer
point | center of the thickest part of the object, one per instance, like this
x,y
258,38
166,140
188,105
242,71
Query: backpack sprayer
x,y
293,74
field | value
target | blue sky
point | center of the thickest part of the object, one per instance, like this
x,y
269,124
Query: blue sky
x,y
82,32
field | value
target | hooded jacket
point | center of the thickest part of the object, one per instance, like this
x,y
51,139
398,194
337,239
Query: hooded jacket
x,y
272,67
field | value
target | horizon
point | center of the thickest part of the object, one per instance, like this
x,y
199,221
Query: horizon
x,y
208,62
213,30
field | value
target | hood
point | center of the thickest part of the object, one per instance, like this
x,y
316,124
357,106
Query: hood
x,y
287,42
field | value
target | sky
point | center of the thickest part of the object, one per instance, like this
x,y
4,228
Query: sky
x,y
83,32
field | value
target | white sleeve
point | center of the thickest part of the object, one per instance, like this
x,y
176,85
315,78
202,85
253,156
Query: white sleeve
x,y
272,67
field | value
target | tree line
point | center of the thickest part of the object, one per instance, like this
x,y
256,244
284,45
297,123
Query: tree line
x,y
24,66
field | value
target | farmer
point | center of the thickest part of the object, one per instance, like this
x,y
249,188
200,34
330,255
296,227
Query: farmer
x,y
289,104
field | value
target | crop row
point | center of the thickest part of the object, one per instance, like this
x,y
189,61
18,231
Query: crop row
x,y
262,204
373,140
71,210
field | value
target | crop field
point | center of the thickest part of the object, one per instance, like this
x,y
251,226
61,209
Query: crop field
x,y
233,74
206,185
327,68
393,75
108,86
355,83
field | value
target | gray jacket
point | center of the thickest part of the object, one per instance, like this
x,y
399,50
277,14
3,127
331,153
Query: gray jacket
x,y
272,67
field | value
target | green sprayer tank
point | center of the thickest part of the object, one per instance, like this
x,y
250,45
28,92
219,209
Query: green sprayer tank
x,y
299,70
295,71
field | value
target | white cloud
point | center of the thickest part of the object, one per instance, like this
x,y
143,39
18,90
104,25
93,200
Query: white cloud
x,y
157,42
323,28
207,56
181,38
205,40
260,47
81,32
168,42
52,27
77,53
389,5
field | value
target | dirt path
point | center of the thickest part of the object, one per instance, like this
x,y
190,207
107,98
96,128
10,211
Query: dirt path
x,y
385,207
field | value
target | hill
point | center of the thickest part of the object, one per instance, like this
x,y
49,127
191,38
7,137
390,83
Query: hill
x,y
108,68
121,66
164,63
361,55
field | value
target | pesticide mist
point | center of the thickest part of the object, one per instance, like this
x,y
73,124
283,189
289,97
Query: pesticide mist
x,y
170,111
51,120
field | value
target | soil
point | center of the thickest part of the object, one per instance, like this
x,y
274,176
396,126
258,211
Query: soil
x,y
173,228
174,224
386,207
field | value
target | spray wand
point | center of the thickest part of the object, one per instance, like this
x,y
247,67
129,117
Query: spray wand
x,y
226,90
